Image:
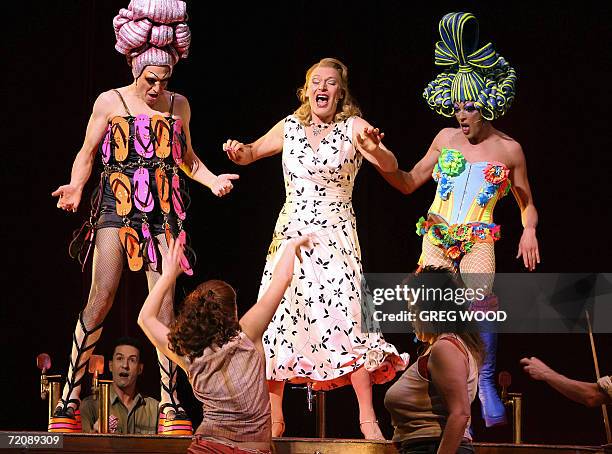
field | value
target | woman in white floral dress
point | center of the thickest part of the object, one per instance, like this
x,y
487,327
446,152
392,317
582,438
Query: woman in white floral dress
x,y
315,335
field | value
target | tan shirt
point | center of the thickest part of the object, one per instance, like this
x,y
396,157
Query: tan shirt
x,y
141,419
417,408
231,384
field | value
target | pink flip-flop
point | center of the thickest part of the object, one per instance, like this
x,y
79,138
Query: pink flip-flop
x,y
177,198
106,145
143,198
182,238
178,142
142,136
149,245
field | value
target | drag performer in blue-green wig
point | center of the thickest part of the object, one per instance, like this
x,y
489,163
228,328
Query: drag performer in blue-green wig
x,y
474,166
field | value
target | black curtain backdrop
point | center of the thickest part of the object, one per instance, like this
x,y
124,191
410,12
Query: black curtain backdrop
x,y
246,62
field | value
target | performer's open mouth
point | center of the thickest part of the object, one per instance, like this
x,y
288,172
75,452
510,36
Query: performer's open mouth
x,y
465,128
322,100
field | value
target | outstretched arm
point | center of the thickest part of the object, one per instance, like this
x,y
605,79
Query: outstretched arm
x,y
408,182
268,145
368,140
70,194
193,167
528,245
148,319
257,319
589,394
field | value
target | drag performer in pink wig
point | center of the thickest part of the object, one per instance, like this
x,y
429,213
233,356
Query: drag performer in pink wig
x,y
141,132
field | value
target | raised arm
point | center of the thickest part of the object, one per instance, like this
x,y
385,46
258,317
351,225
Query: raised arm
x,y
449,373
257,319
268,145
589,394
408,182
368,140
70,194
528,245
148,319
193,167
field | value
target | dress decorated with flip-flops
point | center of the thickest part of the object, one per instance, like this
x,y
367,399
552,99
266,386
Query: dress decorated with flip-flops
x,y
315,335
143,192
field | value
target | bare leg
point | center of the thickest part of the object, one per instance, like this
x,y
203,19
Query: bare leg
x,y
276,403
368,424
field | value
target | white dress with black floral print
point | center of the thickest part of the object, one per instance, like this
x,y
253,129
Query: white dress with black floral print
x,y
315,335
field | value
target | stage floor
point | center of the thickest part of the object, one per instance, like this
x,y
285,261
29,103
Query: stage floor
x,y
144,444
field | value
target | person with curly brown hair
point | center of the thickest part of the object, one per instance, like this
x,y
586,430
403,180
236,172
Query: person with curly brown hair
x,y
222,355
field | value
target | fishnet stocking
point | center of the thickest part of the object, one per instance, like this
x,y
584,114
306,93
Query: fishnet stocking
x,y
106,273
477,267
433,255
167,369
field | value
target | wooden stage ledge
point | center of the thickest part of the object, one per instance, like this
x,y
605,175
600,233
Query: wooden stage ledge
x,y
145,444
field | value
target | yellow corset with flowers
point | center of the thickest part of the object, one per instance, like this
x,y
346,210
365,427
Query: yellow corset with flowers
x,y
465,199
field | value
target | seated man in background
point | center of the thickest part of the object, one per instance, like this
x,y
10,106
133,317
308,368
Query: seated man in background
x,y
130,412
589,394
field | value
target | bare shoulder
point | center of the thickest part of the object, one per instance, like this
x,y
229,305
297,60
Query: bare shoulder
x,y
446,134
512,150
180,101
444,138
446,353
181,107
359,123
106,103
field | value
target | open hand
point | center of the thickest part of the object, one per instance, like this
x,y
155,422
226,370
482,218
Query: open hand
x,y
223,184
370,139
536,368
236,152
299,242
528,249
69,197
171,260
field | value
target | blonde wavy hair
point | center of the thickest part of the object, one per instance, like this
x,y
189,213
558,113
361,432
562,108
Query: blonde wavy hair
x,y
347,106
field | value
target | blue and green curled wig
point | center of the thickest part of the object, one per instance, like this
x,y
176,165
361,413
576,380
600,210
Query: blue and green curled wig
x,y
478,75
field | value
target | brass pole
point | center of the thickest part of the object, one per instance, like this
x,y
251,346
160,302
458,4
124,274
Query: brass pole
x,y
54,395
517,407
321,414
103,405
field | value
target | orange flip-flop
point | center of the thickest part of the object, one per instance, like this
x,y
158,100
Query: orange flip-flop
x,y
161,131
121,187
120,133
163,189
169,236
131,245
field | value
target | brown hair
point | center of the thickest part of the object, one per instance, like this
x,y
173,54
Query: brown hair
x,y
208,318
439,278
347,106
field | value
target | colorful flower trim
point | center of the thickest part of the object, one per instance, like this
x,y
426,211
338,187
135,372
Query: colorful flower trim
x,y
451,162
458,239
496,181
496,173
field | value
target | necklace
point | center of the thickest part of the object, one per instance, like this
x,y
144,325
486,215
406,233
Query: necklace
x,y
318,128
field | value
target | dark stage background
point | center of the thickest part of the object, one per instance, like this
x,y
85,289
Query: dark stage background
x,y
246,62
